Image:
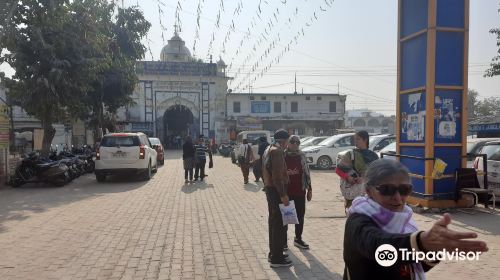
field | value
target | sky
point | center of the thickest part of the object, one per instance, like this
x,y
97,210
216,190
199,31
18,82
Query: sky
x,y
347,46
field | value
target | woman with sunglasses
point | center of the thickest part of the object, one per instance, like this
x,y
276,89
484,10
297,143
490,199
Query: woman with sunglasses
x,y
352,166
300,183
383,218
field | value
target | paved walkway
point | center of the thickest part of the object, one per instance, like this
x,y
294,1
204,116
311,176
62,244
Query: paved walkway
x,y
164,229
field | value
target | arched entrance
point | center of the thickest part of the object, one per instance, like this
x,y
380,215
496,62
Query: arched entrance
x,y
178,122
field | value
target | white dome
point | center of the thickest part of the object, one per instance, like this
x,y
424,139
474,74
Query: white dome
x,y
221,63
175,50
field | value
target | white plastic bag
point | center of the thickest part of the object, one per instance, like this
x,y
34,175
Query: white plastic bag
x,y
289,213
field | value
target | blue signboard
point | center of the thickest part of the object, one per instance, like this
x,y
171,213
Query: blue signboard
x,y
485,127
261,107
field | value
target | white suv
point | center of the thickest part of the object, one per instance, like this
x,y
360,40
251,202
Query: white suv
x,y
125,153
325,153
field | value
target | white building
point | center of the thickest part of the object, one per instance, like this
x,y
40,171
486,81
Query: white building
x,y
364,119
177,96
303,114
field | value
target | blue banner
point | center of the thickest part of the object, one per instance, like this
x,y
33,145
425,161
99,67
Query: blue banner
x,y
261,107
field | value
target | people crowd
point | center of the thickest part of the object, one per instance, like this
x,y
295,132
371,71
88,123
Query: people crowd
x,y
375,192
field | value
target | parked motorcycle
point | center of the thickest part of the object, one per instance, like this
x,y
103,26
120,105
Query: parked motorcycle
x,y
75,164
34,170
85,154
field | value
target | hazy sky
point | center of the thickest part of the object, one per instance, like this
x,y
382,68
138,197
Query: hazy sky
x,y
352,44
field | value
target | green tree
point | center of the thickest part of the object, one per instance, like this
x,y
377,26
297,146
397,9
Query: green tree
x,y
72,59
488,107
116,78
52,69
495,62
119,79
472,98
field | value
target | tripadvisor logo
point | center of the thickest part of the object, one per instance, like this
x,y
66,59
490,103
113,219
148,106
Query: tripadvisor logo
x,y
386,255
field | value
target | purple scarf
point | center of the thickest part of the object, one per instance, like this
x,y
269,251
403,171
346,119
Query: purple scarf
x,y
388,221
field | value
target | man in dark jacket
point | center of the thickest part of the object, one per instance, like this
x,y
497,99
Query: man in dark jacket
x,y
275,178
188,152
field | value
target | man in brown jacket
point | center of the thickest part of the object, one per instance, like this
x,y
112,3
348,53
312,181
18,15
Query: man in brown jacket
x,y
274,174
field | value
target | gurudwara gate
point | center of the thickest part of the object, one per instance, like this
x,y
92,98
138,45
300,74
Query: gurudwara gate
x,y
177,96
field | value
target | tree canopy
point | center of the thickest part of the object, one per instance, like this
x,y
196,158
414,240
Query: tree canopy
x,y
495,62
71,57
480,108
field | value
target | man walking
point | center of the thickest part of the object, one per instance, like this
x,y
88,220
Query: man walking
x,y
245,158
201,159
275,181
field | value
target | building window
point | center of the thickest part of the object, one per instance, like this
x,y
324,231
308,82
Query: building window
x,y
359,123
277,107
252,97
263,98
333,106
308,98
318,98
295,107
236,107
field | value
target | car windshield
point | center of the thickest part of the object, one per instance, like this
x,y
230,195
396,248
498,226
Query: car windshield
x,y
154,141
475,147
308,141
374,140
254,137
492,152
330,141
120,141
389,148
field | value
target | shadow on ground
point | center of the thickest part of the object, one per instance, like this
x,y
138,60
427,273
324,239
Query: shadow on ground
x,y
189,188
17,203
300,270
476,219
253,187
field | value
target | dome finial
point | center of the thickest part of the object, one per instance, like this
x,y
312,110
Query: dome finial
x,y
176,29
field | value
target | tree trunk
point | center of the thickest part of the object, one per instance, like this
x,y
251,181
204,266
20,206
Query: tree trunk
x,y
48,134
98,133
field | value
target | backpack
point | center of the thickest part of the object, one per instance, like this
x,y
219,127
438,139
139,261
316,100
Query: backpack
x,y
244,159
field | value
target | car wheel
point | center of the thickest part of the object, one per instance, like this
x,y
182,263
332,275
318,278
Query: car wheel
x,y
324,162
148,172
156,168
100,178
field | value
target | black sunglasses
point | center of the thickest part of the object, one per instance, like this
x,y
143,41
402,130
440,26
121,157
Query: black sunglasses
x,y
295,142
390,189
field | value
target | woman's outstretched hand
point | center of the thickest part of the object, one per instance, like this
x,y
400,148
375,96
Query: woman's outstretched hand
x,y
440,237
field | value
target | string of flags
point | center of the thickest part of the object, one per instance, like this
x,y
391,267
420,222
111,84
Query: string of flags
x,y
263,42
197,30
247,74
161,14
217,26
232,27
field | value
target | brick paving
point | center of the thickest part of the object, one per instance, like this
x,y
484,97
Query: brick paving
x,y
164,229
